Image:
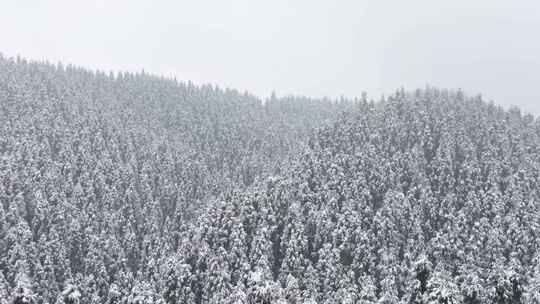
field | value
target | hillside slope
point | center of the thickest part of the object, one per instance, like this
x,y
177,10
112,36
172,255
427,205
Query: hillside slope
x,y
429,197
99,173
130,188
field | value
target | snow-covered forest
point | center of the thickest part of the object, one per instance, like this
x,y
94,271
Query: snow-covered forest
x,y
128,188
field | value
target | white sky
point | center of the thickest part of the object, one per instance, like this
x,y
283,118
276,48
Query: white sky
x,y
304,47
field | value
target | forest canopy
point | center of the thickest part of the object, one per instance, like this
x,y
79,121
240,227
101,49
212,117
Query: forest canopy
x,y
133,188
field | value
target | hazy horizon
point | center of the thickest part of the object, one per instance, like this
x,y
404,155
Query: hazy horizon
x,y
311,48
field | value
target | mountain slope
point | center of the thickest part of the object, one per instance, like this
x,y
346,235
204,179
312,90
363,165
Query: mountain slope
x,y
99,173
429,197
130,188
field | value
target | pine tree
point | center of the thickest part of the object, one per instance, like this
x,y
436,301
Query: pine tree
x,y
441,289
23,293
70,295
4,289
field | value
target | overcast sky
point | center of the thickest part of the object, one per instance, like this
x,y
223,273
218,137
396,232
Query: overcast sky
x,y
305,47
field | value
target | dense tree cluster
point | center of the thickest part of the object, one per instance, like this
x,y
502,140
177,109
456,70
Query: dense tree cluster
x,y
429,197
101,174
130,188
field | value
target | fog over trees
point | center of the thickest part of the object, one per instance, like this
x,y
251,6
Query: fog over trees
x,y
129,188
